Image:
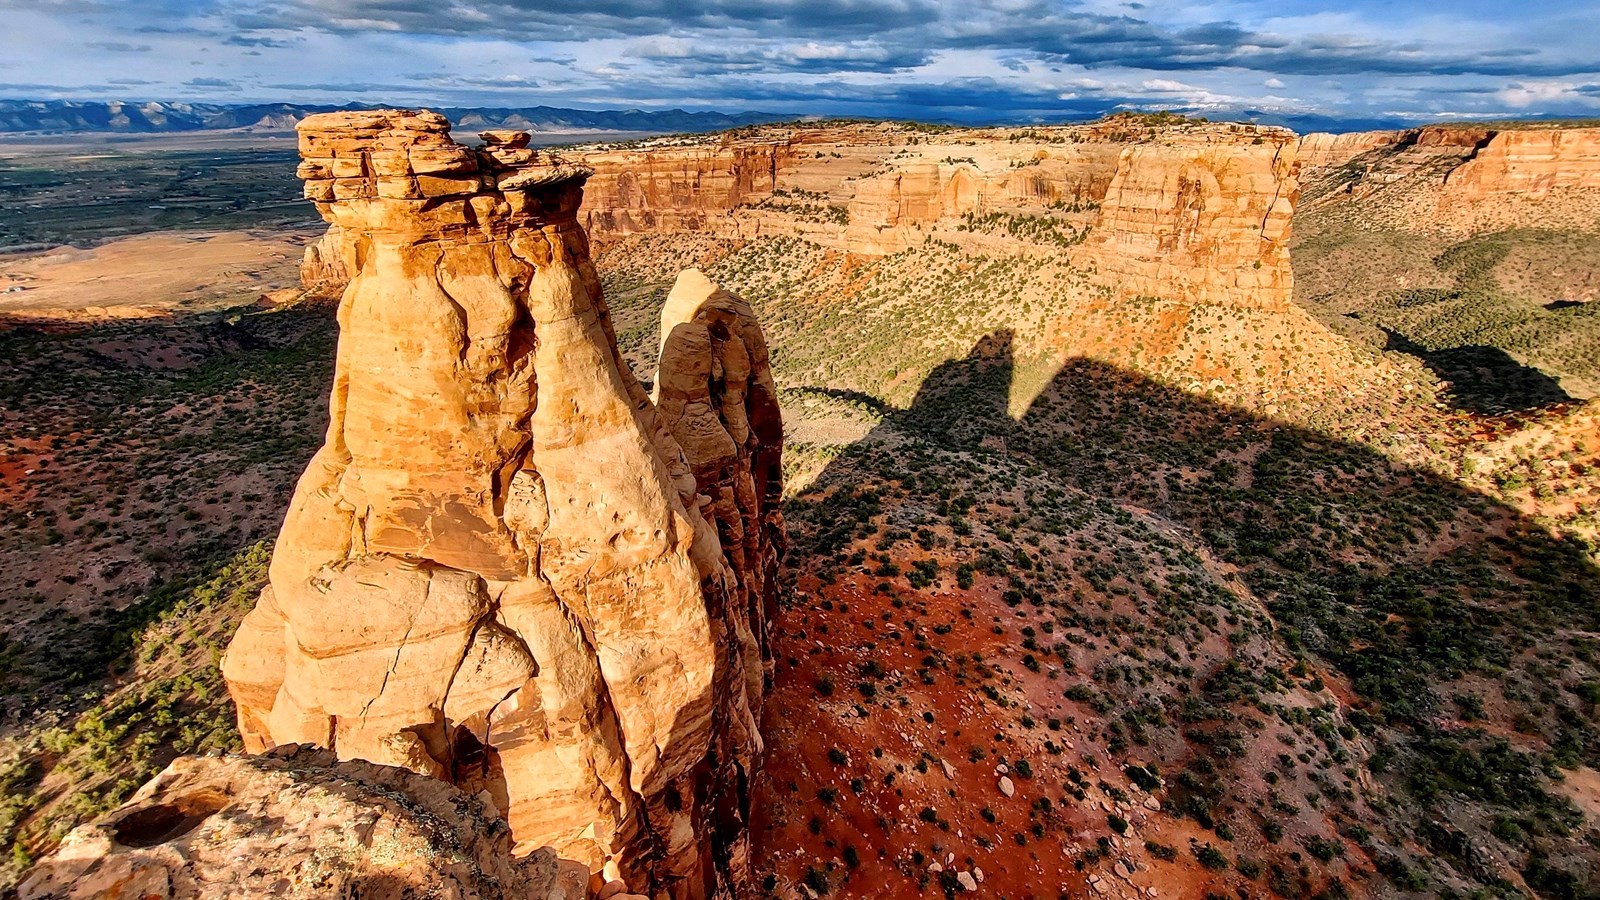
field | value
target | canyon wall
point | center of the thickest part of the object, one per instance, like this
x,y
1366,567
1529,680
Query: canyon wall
x,y
677,189
1201,220
1531,163
506,567
1199,213
1194,212
1321,149
897,209
1496,160
1324,150
1457,179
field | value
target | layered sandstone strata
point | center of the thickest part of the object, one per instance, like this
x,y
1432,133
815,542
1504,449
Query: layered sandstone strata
x,y
298,824
1195,212
1526,162
330,263
1454,179
1200,219
1199,213
682,189
502,569
1324,150
896,210
1530,163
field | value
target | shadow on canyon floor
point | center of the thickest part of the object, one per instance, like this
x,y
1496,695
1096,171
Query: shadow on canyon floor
x,y
1339,538
1409,591
1483,379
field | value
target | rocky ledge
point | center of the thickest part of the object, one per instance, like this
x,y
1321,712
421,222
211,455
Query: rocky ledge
x,y
298,823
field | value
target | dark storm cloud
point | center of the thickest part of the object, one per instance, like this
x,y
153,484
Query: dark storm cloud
x,y
541,20
240,40
694,59
1051,30
955,58
119,47
1100,40
964,99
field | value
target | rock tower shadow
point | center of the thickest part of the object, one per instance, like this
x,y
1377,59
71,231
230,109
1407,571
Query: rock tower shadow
x,y
1395,579
1332,533
1483,379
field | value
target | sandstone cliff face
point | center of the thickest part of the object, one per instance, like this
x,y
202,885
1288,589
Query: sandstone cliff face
x,y
330,263
896,210
1527,162
1200,220
502,569
298,824
1198,213
1531,163
1321,149
1195,213
678,189
1456,180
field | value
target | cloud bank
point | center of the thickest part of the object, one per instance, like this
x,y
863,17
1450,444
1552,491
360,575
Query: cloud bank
x,y
968,60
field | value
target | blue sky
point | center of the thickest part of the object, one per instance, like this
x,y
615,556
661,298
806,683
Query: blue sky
x,y
937,59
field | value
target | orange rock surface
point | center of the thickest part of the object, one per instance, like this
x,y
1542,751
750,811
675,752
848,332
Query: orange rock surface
x,y
1197,213
1201,220
1321,149
503,569
635,191
1530,163
1458,180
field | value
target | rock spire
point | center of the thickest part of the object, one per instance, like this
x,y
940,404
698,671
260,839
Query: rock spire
x,y
507,567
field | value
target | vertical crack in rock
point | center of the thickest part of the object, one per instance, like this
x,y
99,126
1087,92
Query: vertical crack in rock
x,y
587,639
399,648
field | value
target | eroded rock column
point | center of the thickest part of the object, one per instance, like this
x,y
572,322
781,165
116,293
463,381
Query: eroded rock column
x,y
502,569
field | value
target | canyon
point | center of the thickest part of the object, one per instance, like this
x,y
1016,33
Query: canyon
x,y
1202,213
1459,179
1126,560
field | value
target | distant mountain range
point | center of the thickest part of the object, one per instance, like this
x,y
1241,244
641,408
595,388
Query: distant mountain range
x,y
19,116
126,117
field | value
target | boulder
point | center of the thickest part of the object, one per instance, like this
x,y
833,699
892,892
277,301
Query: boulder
x,y
298,823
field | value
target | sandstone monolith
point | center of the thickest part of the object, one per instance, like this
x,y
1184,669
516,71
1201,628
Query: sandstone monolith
x,y
502,569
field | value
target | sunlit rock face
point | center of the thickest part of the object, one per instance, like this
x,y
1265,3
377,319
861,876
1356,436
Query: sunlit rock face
x,y
506,567
1191,212
1204,218
1530,163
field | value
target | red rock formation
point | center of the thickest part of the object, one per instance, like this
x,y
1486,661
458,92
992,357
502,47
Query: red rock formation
x,y
1201,214
1200,220
1195,212
1324,150
330,263
895,211
1530,163
678,189
501,569
1461,180
1321,149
